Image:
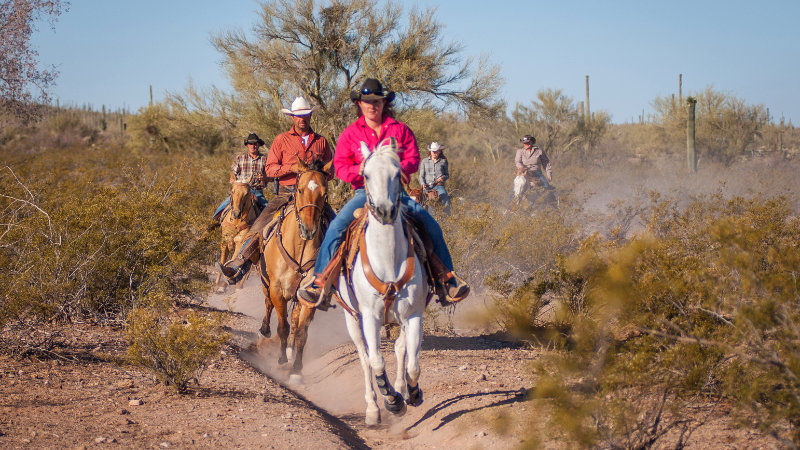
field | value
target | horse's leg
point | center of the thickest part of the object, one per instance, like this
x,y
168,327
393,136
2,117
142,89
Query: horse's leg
x,y
400,355
413,339
295,318
264,331
305,316
373,413
223,258
391,399
283,321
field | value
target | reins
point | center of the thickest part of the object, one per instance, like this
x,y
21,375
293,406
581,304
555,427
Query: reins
x,y
299,269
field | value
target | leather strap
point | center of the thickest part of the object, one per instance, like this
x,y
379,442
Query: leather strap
x,y
388,290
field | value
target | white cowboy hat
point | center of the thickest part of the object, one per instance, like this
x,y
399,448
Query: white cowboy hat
x,y
435,147
300,107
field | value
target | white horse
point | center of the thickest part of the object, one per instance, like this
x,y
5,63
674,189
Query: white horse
x,y
391,260
520,185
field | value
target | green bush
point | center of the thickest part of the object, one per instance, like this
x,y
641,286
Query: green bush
x,y
92,233
704,307
175,348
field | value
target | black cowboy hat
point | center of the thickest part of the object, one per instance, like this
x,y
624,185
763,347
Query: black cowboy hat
x,y
253,138
528,138
372,89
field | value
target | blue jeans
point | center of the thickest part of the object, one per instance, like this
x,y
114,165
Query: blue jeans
x,y
338,227
262,201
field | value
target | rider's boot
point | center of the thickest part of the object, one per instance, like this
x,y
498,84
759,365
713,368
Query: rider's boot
x,y
309,293
238,267
450,288
311,288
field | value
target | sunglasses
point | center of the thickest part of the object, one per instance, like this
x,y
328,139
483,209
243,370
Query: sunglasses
x,y
368,91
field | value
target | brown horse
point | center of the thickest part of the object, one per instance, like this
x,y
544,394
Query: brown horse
x,y
424,198
288,255
236,223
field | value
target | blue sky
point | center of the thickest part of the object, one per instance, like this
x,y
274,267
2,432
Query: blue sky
x,y
110,52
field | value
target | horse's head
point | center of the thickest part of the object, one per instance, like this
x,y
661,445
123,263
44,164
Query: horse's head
x,y
311,193
239,198
381,172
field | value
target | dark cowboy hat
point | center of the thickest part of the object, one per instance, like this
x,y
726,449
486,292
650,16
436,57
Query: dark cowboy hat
x,y
528,138
372,89
253,138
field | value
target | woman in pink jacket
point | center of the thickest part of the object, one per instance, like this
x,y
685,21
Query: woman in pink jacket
x,y
375,123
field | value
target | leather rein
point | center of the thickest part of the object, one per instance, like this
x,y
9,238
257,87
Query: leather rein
x,y
387,289
245,211
294,264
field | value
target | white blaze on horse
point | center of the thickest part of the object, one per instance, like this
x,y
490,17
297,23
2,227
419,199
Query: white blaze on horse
x,y
386,259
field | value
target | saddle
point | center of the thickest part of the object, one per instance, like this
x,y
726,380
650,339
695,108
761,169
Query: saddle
x,y
273,229
344,258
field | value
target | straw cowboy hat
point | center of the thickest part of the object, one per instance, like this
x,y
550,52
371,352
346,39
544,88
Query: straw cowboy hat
x,y
300,107
435,147
372,89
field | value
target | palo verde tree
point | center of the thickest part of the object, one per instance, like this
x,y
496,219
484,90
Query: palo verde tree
x,y
324,49
23,84
555,120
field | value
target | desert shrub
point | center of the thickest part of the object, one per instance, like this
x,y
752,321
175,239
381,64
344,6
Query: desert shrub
x,y
703,307
726,126
91,233
176,349
486,241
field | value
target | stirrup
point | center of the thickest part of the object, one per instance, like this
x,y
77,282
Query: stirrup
x,y
234,274
454,293
309,295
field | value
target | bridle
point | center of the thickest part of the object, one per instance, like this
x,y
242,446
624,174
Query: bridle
x,y
370,201
298,208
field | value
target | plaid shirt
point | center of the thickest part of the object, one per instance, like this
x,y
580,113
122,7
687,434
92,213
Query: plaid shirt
x,y
430,171
245,170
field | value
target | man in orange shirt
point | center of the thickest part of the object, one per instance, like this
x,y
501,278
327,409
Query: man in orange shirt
x,y
300,142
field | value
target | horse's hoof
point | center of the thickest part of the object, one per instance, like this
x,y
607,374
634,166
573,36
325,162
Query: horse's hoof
x,y
414,396
283,359
295,379
373,418
264,330
396,406
221,290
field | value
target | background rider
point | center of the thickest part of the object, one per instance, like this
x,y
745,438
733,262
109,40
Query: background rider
x,y
300,142
433,172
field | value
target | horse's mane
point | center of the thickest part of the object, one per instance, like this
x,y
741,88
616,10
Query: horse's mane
x,y
388,150
317,165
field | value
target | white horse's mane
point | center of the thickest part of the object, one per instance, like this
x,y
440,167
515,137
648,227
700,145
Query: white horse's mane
x,y
388,147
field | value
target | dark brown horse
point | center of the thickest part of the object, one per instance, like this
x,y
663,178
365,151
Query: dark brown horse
x,y
236,223
288,255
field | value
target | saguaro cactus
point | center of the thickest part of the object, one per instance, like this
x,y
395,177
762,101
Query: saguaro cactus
x,y
691,153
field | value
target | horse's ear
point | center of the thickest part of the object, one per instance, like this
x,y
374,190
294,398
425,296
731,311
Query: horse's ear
x,y
327,168
300,166
364,150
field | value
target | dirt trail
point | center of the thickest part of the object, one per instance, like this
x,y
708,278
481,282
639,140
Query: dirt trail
x,y
473,384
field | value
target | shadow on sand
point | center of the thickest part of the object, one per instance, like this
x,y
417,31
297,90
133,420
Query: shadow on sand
x,y
503,398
